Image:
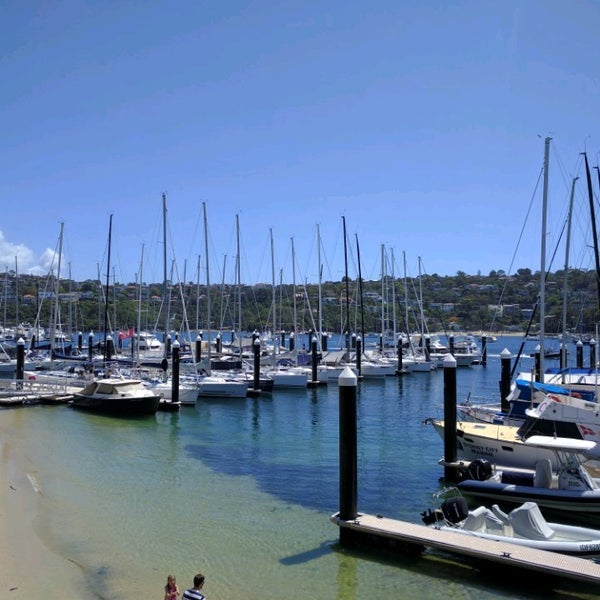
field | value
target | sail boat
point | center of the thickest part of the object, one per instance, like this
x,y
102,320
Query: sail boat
x,y
283,375
508,443
115,395
214,386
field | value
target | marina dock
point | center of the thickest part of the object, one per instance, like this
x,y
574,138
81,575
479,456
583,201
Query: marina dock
x,y
359,530
374,530
16,392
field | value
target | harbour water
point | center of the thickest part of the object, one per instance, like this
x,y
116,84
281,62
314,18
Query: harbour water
x,y
242,490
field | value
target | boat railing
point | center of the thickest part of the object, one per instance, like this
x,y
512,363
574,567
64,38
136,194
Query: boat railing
x,y
34,387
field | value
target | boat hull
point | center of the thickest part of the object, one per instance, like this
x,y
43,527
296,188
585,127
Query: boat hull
x,y
115,406
578,501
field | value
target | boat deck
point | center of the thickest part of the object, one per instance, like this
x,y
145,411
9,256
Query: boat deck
x,y
503,553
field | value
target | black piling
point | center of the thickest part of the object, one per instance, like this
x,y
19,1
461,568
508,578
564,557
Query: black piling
x,y
175,372
324,338
255,367
450,453
399,354
579,354
292,341
504,379
359,355
537,364
20,371
110,347
484,350
198,347
451,344
79,340
90,345
348,446
592,354
314,360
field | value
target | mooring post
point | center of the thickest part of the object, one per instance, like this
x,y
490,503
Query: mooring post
x,y
20,372
592,353
504,379
579,354
110,348
175,372
399,354
199,347
348,450
449,417
359,355
484,350
313,358
537,353
90,345
256,363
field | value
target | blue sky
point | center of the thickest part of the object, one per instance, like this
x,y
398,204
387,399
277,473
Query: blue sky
x,y
421,123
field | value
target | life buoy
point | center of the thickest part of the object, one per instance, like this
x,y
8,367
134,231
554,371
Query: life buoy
x,y
31,378
555,398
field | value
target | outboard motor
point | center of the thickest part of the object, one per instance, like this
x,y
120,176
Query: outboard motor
x,y
455,509
480,469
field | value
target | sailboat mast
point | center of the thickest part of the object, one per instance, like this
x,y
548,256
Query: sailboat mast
x,y
360,292
208,309
347,286
136,341
563,340
165,284
543,256
593,219
56,293
239,282
294,290
198,295
319,297
274,328
383,296
106,355
393,298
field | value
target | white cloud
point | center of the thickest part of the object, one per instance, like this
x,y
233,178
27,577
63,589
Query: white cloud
x,y
22,259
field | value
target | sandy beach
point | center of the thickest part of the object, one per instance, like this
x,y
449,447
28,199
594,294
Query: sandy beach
x,y
28,567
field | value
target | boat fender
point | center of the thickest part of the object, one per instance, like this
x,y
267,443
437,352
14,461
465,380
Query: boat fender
x,y
480,469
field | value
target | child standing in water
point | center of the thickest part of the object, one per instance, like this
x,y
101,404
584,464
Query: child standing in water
x,y
171,589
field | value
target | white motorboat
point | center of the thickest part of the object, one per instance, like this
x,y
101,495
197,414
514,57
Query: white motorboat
x,y
214,386
524,525
572,487
499,444
288,377
557,414
188,391
117,396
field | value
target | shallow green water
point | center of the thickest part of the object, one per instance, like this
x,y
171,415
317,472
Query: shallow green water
x,y
242,490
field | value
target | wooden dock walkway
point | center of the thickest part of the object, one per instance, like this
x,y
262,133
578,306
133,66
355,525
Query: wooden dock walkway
x,y
499,552
17,392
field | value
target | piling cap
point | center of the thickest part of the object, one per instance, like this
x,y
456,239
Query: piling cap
x,y
347,378
449,361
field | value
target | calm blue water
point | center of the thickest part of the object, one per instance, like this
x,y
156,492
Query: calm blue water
x,y
242,490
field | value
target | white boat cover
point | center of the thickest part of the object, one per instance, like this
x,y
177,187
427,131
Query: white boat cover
x,y
527,521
